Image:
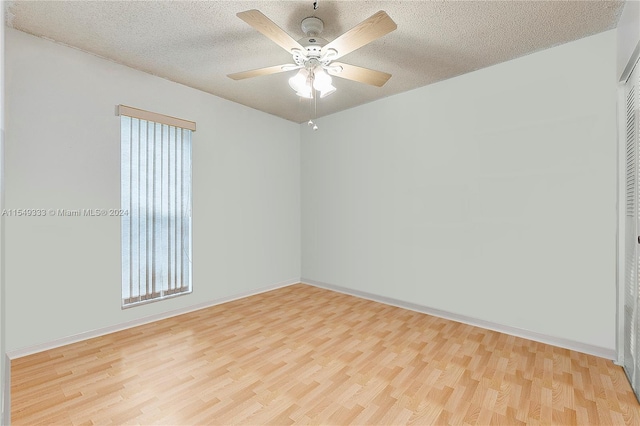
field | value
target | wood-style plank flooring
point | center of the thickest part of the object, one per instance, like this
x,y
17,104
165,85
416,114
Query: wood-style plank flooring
x,y
306,355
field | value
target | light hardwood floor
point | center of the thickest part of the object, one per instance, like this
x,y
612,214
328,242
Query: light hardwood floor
x,y
305,355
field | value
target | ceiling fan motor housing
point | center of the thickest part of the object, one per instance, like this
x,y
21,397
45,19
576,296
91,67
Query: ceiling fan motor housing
x,y
312,41
312,26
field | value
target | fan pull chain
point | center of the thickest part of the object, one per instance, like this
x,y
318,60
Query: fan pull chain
x,y
313,110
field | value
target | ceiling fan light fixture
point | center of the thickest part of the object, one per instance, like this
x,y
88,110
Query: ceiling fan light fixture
x,y
299,81
327,91
320,79
322,82
305,93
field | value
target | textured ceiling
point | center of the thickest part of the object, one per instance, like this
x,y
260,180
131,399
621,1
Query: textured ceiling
x,y
197,43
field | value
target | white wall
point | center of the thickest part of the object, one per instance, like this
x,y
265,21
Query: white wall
x,y
628,37
62,151
490,195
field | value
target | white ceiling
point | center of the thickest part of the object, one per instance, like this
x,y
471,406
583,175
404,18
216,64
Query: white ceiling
x,y
197,43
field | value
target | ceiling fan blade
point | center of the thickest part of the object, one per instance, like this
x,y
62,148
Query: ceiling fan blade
x,y
362,75
365,32
266,26
263,71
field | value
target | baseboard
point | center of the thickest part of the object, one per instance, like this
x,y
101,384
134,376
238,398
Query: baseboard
x,y
514,331
140,321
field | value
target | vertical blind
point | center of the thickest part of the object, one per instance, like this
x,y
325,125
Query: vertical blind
x,y
156,194
632,212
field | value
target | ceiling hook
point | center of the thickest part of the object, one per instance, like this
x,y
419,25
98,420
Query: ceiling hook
x,y
315,5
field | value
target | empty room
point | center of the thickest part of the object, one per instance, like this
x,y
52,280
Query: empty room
x,y
320,212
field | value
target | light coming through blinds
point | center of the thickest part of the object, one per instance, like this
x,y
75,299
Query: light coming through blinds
x,y
156,191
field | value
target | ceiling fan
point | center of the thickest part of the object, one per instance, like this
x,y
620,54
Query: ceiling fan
x,y
315,57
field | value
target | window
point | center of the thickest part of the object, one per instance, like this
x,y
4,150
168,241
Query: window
x,y
156,205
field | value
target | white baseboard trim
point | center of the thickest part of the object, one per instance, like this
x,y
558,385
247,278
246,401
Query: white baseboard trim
x,y
29,350
514,331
